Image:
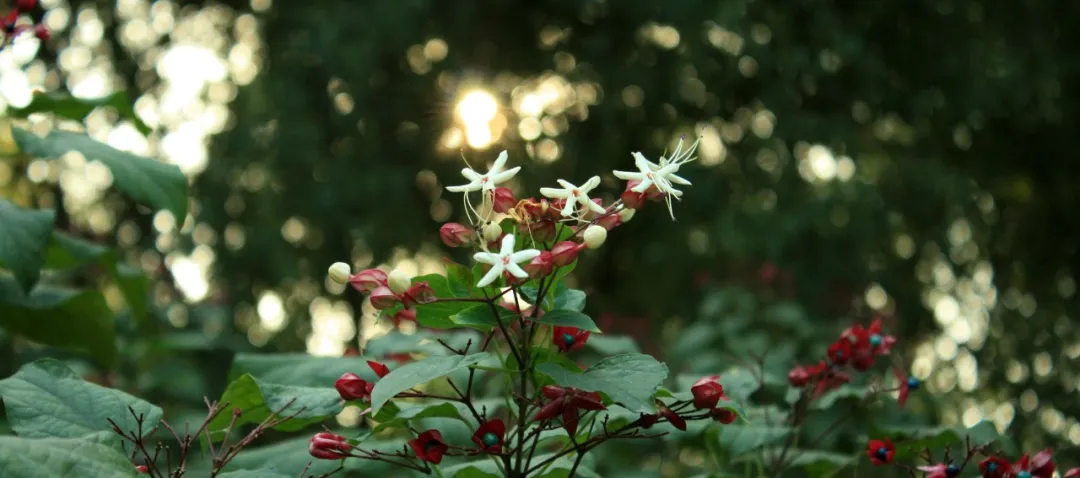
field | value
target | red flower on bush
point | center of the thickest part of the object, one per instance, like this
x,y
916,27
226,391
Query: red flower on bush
x,y
881,452
429,446
672,417
351,387
941,470
568,339
379,369
707,392
723,415
995,467
489,437
907,385
567,402
1039,466
840,352
328,446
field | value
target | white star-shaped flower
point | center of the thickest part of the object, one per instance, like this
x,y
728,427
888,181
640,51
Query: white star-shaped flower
x,y
486,182
505,260
575,195
661,175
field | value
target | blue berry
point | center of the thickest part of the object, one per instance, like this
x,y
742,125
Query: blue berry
x,y
1023,474
991,467
875,340
952,470
490,439
568,340
913,383
883,453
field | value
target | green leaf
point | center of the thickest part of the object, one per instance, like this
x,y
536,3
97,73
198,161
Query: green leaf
x,y
613,344
629,379
570,299
299,369
24,238
72,108
417,373
459,279
478,317
66,318
46,399
262,473
739,439
69,252
437,314
152,183
559,468
258,400
567,318
406,416
54,457
816,464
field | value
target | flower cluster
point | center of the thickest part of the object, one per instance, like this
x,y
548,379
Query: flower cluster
x,y
12,28
992,465
519,248
855,350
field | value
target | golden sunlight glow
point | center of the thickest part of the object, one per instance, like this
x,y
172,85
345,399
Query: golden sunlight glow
x,y
477,109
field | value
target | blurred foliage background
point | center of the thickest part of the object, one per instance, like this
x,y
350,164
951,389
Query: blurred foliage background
x,y
903,158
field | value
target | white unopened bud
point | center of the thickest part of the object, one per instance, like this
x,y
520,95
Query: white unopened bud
x,y
340,273
492,232
626,215
594,236
399,281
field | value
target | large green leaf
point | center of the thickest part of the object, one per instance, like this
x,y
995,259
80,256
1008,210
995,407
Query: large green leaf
x,y
24,238
437,314
290,456
61,457
299,369
46,399
60,317
68,252
739,439
568,318
559,468
152,183
628,379
70,107
418,373
442,410
258,400
263,473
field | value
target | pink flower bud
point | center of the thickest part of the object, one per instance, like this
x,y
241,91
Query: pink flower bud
x,y
351,387
383,298
42,33
610,222
502,200
455,235
404,315
512,280
542,230
368,280
419,293
328,446
565,252
541,266
142,469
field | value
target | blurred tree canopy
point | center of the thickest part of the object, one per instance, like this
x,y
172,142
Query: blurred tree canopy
x,y
901,157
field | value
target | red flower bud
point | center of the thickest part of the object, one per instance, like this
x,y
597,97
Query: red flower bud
x,y
540,230
429,446
25,5
379,369
328,446
142,469
404,315
798,376
723,415
383,298
41,32
541,266
566,252
673,418
419,293
707,392
368,280
502,200
455,235
553,391
609,222
351,387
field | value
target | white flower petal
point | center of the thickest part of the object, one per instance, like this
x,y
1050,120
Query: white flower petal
x,y
494,273
678,180
629,176
525,255
568,209
594,207
504,176
555,193
591,184
516,271
500,163
464,188
644,165
471,175
485,257
566,184
507,246
644,185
